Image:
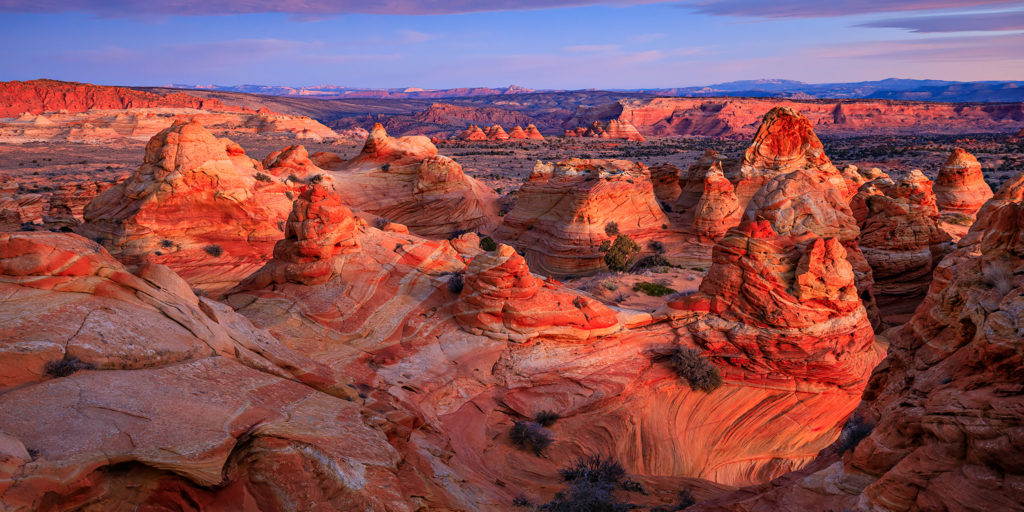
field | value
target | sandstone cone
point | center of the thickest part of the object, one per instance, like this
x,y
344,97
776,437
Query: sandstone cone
x,y
960,190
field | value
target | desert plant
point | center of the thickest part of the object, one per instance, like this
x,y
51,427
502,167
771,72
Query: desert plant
x,y
166,244
457,233
530,434
611,228
594,468
261,177
689,364
652,289
456,282
316,179
592,482
66,366
488,244
610,286
620,253
380,222
547,418
998,275
656,246
214,250
653,261
854,431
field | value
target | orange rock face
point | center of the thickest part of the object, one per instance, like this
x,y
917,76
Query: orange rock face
x,y
960,190
38,96
503,300
901,240
404,180
164,399
496,132
565,210
517,132
194,205
945,405
614,129
533,133
473,133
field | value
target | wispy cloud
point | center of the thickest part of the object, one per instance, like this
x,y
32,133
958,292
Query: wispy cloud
x,y
965,22
818,8
307,10
589,48
943,49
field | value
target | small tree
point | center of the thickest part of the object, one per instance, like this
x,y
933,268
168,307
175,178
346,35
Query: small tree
x,y
620,253
611,228
488,244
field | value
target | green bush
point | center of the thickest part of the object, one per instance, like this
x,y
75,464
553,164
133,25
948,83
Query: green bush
x,y
488,244
652,289
620,253
693,367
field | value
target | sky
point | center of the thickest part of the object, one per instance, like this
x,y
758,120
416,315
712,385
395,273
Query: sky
x,y
552,44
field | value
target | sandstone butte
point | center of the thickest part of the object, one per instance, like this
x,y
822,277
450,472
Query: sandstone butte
x,y
738,117
496,132
38,96
901,239
613,129
196,205
473,133
566,210
960,190
404,180
943,411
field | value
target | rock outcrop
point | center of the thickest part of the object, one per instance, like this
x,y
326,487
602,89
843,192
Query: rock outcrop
x,y
38,96
516,133
404,180
194,205
941,418
613,129
960,190
901,240
566,210
502,299
496,132
533,133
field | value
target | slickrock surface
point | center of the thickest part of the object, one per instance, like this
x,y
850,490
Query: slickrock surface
x,y
960,190
503,300
165,399
404,180
946,405
563,210
901,240
194,205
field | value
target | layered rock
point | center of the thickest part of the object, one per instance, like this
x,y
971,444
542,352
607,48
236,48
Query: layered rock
x,y
960,190
503,300
123,388
616,129
496,132
533,133
943,412
473,133
665,180
567,209
404,180
38,96
901,240
784,142
194,205
516,133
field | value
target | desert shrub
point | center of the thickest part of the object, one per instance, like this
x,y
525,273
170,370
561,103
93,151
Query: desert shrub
x,y
594,468
166,244
620,253
652,289
66,366
488,244
522,501
385,167
530,434
610,286
653,261
998,275
854,431
316,179
380,222
693,367
456,233
592,482
611,228
547,418
456,282
262,177
656,246
214,250
684,500
633,486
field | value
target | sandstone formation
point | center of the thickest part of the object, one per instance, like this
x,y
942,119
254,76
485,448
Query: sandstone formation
x,y
163,399
943,412
960,190
496,132
665,180
516,133
533,133
739,117
194,205
901,240
503,300
567,209
38,96
404,180
473,133
613,129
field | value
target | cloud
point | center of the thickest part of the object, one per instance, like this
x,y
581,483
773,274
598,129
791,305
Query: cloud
x,y
940,49
819,8
985,22
308,10
588,48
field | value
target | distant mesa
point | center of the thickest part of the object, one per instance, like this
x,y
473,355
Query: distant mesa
x,y
615,129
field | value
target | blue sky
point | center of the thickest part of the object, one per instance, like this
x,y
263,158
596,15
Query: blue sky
x,y
433,44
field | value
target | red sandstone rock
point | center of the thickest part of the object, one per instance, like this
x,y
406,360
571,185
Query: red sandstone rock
x,y
38,96
617,129
404,180
565,209
195,206
517,133
473,133
533,133
665,180
503,300
960,190
496,132
901,240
